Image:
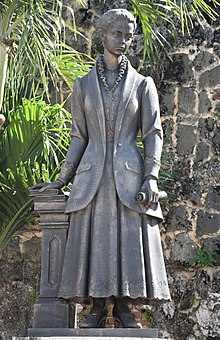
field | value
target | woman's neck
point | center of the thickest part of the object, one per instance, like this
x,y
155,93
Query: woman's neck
x,y
111,61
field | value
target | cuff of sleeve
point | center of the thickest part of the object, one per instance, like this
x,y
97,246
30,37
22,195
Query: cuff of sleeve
x,y
66,173
151,167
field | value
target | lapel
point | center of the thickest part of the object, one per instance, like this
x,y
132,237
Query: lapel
x,y
96,95
128,87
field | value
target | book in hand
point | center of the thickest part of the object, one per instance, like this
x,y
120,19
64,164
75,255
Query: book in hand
x,y
47,192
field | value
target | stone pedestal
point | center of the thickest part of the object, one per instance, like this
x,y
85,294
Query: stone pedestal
x,y
49,311
90,334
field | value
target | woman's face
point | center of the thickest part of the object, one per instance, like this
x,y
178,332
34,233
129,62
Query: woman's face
x,y
118,37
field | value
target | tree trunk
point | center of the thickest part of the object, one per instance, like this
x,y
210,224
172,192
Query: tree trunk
x,y
3,70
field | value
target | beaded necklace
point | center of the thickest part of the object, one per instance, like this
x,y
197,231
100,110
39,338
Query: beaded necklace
x,y
102,76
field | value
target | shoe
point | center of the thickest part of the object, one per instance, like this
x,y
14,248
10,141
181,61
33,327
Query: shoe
x,y
95,319
124,318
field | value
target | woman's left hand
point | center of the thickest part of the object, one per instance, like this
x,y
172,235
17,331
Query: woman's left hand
x,y
150,188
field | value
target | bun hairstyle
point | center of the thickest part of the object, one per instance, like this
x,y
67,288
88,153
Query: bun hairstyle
x,y
106,20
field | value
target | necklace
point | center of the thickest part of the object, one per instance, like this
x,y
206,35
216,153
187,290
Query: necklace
x,y
102,76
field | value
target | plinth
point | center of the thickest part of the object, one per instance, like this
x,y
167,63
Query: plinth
x,y
49,311
92,334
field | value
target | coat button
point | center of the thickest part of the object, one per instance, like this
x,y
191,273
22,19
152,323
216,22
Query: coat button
x,y
119,145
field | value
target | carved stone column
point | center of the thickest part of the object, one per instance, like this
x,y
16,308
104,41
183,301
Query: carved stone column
x,y
49,311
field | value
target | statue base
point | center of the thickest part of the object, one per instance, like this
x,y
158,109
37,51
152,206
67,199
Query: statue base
x,y
94,333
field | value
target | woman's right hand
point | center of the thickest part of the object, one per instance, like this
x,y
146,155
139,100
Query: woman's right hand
x,y
44,186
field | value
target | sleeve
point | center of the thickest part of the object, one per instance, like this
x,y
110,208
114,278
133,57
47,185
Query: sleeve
x,y
79,136
151,129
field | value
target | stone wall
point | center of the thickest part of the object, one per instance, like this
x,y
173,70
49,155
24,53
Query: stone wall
x,y
190,106
189,90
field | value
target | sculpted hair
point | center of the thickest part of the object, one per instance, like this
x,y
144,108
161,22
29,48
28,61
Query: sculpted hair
x,y
106,20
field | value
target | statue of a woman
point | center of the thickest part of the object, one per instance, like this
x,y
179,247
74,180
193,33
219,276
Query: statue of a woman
x,y
113,249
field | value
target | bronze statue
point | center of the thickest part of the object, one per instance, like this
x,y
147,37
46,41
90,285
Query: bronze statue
x,y
113,250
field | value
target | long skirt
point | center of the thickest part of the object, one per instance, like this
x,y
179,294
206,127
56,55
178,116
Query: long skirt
x,y
113,251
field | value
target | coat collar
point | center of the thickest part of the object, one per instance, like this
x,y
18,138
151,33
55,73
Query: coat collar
x,y
128,88
95,92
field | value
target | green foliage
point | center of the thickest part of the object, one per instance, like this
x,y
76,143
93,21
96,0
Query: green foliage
x,y
203,258
148,315
35,139
192,302
150,14
32,33
32,297
72,64
32,148
159,19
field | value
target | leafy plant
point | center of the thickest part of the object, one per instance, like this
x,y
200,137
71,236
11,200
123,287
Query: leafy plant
x,y
32,40
33,57
32,297
203,258
160,19
148,315
32,149
192,302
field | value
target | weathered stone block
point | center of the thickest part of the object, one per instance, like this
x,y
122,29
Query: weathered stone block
x,y
213,198
191,190
216,281
208,315
168,130
186,100
167,98
206,126
182,291
180,69
207,223
183,325
182,169
210,78
178,219
203,282
213,244
32,249
186,139
216,49
183,248
216,141
202,151
203,59
204,103
207,173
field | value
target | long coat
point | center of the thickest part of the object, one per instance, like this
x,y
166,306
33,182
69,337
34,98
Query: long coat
x,y
113,247
138,111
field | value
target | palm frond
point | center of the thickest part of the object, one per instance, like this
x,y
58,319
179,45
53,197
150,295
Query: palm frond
x,y
72,64
158,18
32,147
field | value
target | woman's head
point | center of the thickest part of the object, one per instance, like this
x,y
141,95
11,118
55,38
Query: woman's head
x,y
109,17
116,28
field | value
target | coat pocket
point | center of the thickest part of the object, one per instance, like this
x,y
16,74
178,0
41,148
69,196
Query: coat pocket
x,y
134,167
82,168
